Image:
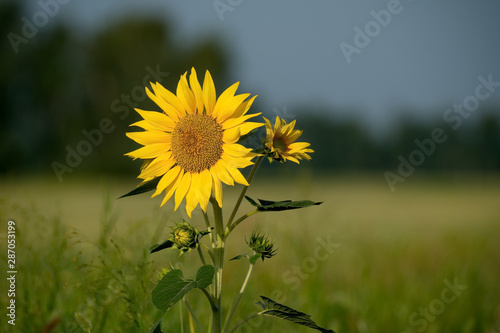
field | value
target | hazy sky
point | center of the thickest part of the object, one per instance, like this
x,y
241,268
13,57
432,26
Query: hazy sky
x,y
429,54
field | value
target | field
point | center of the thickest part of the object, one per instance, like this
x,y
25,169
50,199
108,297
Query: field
x,y
423,259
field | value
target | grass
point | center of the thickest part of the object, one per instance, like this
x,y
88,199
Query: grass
x,y
82,255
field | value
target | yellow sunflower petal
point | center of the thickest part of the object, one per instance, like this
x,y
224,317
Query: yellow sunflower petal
x,y
217,186
232,122
236,150
170,189
296,146
185,95
236,162
205,189
158,120
193,193
243,108
231,135
196,88
159,166
149,137
223,99
209,95
227,107
182,189
150,151
220,170
161,101
236,174
291,158
246,128
171,99
166,180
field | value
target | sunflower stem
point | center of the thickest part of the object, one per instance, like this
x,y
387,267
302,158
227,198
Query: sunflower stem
x,y
218,265
243,321
241,219
209,228
202,257
238,297
243,191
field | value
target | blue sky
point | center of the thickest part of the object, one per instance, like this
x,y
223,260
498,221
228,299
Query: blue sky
x,y
426,58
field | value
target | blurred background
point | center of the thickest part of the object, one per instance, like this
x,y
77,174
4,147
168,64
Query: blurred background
x,y
369,82
367,97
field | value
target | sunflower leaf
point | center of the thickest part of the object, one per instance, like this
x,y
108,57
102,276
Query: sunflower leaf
x,y
269,205
158,247
173,287
146,187
238,257
277,310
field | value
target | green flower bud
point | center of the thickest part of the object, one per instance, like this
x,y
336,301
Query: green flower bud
x,y
184,236
260,244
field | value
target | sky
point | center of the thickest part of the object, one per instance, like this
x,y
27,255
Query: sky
x,y
418,55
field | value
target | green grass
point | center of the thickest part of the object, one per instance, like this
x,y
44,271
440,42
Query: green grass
x,y
82,255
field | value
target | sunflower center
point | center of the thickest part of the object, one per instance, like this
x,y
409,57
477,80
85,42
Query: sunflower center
x,y
279,144
197,142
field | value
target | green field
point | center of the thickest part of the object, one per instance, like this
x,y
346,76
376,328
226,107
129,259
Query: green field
x,y
423,259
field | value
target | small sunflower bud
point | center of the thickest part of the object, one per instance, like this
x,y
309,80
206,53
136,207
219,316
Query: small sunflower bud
x,y
261,245
184,236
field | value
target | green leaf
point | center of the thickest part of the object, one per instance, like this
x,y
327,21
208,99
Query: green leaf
x,y
270,206
146,187
252,201
173,287
158,247
238,257
205,276
277,310
156,328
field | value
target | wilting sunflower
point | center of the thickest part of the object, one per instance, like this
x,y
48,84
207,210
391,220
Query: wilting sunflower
x,y
192,145
280,142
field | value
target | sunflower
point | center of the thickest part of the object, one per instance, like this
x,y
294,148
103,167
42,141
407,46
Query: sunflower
x,y
192,145
280,142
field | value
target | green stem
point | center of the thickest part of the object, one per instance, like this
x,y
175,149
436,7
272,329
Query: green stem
x,y
244,190
210,252
241,219
181,317
202,257
209,228
241,322
218,265
238,297
193,315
